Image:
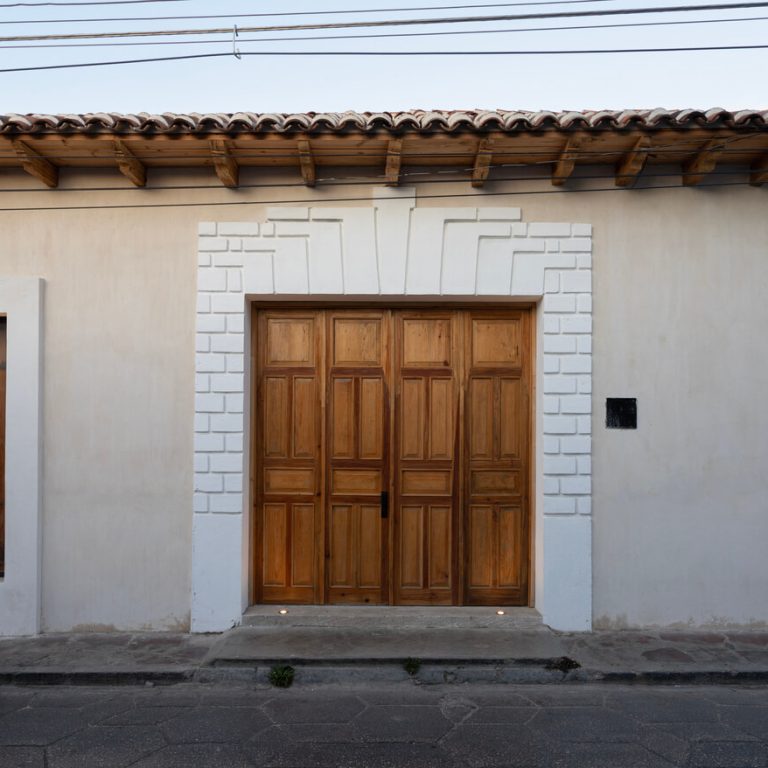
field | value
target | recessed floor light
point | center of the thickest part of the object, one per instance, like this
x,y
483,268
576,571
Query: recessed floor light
x,y
499,613
282,611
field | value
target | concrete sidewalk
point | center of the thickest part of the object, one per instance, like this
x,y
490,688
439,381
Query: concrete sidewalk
x,y
473,645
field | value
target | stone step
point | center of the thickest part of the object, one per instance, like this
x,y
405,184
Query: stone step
x,y
371,617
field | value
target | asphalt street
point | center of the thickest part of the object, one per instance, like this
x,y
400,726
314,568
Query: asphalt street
x,y
228,726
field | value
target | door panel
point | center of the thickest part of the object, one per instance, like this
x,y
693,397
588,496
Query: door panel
x,y
452,453
426,508
496,475
288,428
358,344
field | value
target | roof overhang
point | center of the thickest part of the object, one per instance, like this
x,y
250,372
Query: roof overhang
x,y
469,141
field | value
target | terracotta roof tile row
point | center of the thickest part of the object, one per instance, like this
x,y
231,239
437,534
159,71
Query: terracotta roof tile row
x,y
415,120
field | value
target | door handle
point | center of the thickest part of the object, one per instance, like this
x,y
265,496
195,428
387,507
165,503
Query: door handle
x,y
385,504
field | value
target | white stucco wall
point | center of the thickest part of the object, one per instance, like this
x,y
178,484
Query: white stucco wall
x,y
679,510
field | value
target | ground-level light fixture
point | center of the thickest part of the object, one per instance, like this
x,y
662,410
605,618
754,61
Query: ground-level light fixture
x,y
283,611
499,613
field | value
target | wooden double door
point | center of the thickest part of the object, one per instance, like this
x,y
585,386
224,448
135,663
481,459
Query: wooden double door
x,y
391,456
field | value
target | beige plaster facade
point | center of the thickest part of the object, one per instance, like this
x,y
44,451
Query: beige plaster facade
x,y
679,286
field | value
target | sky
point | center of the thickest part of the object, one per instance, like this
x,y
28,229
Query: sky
x,y
301,83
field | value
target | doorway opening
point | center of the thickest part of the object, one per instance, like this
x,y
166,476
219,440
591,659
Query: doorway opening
x,y
391,456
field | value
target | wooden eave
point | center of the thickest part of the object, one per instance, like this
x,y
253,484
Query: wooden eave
x,y
480,157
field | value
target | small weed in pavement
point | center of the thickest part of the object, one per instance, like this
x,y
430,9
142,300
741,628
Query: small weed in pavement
x,y
563,664
412,666
281,675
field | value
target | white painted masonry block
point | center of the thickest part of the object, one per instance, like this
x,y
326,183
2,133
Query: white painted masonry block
x,y
568,565
549,230
389,249
216,568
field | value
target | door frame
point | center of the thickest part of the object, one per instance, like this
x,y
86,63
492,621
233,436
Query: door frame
x,y
394,249
459,515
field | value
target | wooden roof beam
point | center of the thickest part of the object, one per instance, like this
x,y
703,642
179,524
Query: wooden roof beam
x,y
394,160
567,161
129,165
482,166
224,164
307,162
631,165
702,163
36,165
759,171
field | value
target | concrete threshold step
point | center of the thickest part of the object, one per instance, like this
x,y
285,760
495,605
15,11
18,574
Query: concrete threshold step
x,y
393,617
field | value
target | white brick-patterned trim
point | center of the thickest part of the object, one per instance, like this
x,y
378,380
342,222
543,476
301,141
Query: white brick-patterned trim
x,y
21,301
389,250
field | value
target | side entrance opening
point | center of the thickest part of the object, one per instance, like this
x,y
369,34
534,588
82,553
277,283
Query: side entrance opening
x,y
391,456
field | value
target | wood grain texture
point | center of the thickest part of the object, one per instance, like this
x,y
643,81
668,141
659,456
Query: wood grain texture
x,y
430,405
288,468
496,471
426,502
357,471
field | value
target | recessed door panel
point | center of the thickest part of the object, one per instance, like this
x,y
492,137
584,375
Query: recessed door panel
x,y
496,342
275,536
343,415
426,342
276,416
304,408
370,425
412,429
357,341
441,435
511,418
290,341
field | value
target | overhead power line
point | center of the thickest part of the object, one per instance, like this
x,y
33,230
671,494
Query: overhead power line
x,y
406,177
385,35
359,198
356,11
390,22
94,2
574,52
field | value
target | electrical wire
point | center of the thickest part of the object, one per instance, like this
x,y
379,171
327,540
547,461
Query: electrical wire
x,y
103,2
353,181
384,35
483,194
304,13
387,22
386,54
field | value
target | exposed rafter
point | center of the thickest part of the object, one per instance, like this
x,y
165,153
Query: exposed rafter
x,y
36,165
702,163
224,164
759,171
307,162
567,161
482,165
394,159
631,165
129,165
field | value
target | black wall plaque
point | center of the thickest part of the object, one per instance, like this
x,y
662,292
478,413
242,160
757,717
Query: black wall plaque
x,y
621,413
